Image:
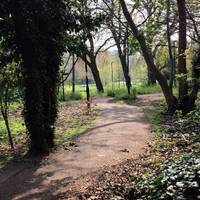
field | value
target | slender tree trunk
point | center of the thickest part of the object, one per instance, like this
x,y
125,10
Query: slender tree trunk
x,y
182,69
171,59
63,88
126,72
196,77
170,99
73,75
126,63
96,75
174,64
6,121
123,59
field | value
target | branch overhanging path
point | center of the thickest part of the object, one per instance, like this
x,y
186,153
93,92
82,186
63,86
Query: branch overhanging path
x,y
120,132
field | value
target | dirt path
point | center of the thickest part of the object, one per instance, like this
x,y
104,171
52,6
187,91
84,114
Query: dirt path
x,y
120,132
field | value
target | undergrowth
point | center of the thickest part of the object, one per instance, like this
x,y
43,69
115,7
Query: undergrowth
x,y
121,94
175,156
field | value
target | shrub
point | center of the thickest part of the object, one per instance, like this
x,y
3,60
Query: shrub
x,y
189,123
187,126
110,93
148,89
70,96
75,96
175,180
122,94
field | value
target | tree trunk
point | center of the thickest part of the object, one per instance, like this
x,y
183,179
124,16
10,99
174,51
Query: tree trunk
x,y
123,58
63,88
33,110
170,99
182,70
73,75
95,72
5,117
171,59
126,72
195,76
41,57
151,77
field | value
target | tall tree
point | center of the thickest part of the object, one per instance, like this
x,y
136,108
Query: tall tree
x,y
148,56
37,29
120,33
182,70
171,57
184,101
81,44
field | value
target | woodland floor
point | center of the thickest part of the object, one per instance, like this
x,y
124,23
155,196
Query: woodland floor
x,y
86,166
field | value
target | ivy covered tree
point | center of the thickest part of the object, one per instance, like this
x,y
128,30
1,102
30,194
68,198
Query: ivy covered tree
x,y
34,31
36,35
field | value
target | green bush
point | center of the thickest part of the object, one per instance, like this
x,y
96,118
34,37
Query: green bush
x,y
184,124
17,129
186,127
122,94
110,93
176,180
70,96
146,89
75,96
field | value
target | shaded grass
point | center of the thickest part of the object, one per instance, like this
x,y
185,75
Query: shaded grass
x,y
121,95
70,96
154,115
73,120
116,90
71,134
17,129
145,89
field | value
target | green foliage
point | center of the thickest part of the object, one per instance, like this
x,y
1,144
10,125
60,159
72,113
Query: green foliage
x,y
70,134
85,21
36,32
122,94
70,96
148,89
175,180
189,123
154,114
187,126
17,128
9,77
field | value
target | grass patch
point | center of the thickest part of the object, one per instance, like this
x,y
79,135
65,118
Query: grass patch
x,y
73,119
146,89
70,96
174,156
115,90
80,92
70,134
121,95
155,116
17,129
